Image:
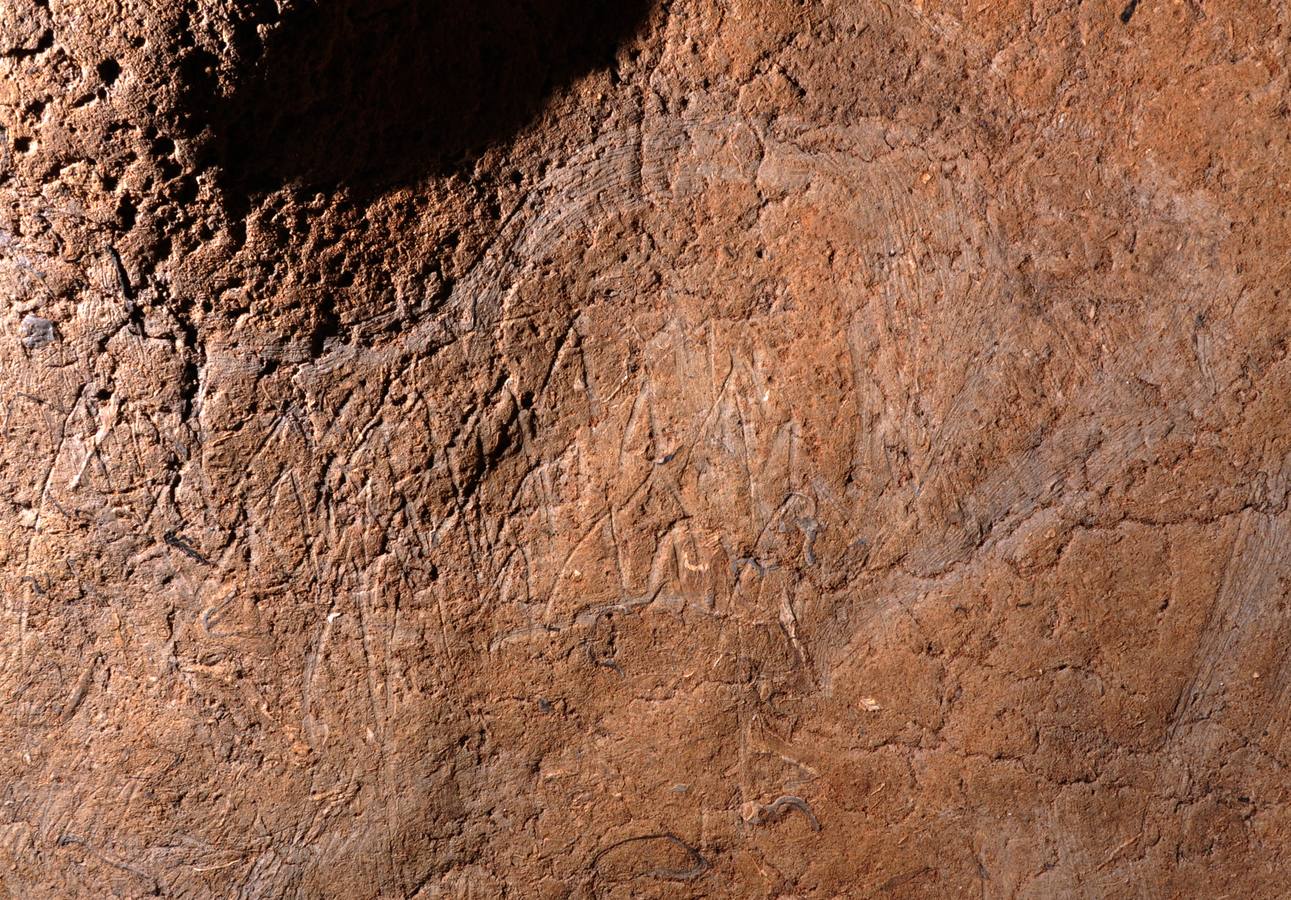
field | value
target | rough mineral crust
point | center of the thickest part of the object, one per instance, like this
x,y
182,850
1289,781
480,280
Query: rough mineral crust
x,y
689,448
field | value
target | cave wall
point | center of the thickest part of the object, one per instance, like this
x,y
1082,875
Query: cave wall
x,y
674,449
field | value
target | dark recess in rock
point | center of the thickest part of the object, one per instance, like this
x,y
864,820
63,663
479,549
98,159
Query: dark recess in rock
x,y
372,95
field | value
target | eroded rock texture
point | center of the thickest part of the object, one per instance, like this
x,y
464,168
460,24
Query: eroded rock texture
x,y
663,449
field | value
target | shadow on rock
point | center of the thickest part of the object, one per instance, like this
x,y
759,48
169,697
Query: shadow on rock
x,y
371,94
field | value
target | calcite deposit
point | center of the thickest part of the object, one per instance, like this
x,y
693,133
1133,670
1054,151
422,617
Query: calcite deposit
x,y
663,448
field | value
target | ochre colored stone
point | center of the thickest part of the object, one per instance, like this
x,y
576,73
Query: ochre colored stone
x,y
657,449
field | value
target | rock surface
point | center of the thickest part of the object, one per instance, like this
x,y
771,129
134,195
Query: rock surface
x,y
733,449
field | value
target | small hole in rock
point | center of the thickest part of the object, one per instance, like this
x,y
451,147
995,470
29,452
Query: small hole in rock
x,y
126,213
109,70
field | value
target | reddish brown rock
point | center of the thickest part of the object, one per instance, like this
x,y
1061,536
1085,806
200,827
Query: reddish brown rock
x,y
739,449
